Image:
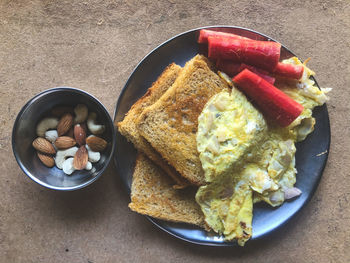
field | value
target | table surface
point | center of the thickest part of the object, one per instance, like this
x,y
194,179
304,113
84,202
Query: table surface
x,y
94,46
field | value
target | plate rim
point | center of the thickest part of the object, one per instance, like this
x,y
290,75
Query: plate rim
x,y
224,243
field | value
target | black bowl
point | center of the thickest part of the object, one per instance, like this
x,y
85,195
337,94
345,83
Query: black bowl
x,y
311,156
24,132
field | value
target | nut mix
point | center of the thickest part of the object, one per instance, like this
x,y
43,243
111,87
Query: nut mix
x,y
60,134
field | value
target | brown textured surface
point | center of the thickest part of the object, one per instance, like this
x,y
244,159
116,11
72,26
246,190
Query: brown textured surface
x,y
128,127
170,124
152,194
94,46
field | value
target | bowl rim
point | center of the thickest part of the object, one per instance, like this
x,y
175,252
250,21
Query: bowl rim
x,y
36,98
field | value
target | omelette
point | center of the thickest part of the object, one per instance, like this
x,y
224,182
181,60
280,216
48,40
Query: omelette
x,y
248,159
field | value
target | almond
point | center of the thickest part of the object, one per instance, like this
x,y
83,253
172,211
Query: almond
x,y
59,111
43,145
80,158
96,144
65,123
64,142
79,134
47,160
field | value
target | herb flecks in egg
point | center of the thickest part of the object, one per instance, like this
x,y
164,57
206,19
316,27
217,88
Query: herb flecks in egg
x,y
247,159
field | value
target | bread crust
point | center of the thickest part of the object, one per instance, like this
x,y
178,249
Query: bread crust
x,y
152,194
127,127
170,124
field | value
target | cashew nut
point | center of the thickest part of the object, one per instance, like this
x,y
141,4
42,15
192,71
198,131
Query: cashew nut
x,y
61,156
93,156
81,113
51,135
46,124
68,167
88,166
93,126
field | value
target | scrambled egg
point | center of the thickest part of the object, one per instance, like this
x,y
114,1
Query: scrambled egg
x,y
246,159
228,127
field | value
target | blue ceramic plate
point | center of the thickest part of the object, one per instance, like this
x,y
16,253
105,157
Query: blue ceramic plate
x,y
309,163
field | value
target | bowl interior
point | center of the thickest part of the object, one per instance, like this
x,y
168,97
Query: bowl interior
x,y
24,133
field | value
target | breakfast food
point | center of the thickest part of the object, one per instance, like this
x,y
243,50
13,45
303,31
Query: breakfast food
x,y
232,69
267,173
128,128
170,124
44,146
235,145
80,159
204,34
289,70
79,134
228,129
47,160
262,54
231,50
94,127
58,136
152,194
271,101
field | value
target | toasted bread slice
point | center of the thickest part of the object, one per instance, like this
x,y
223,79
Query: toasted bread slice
x,y
170,124
127,127
152,194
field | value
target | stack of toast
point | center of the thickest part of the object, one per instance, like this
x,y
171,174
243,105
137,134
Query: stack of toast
x,y
162,125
